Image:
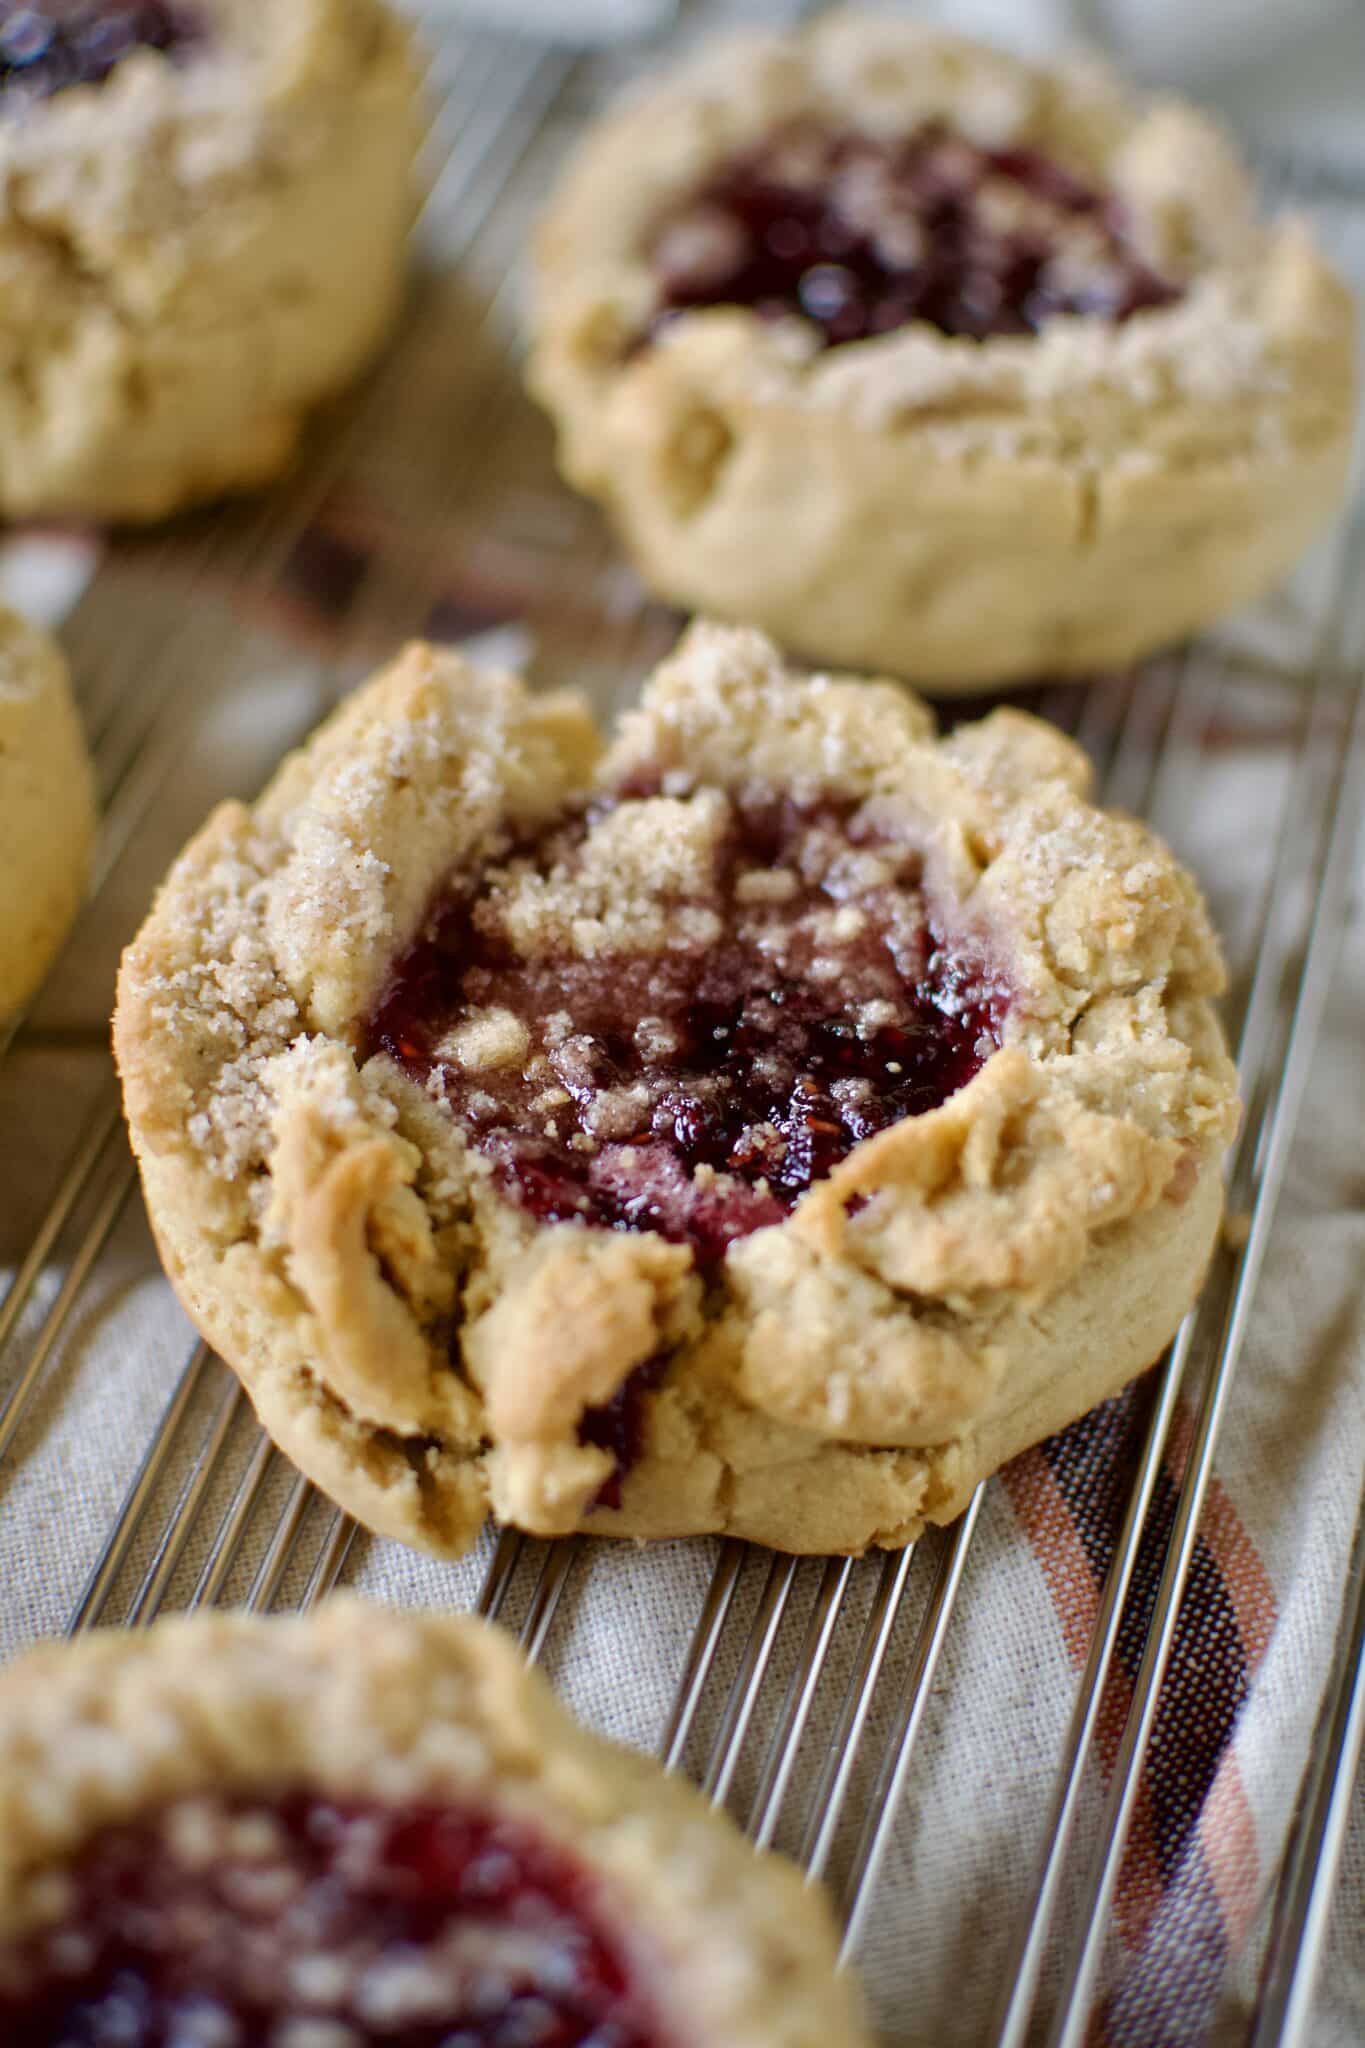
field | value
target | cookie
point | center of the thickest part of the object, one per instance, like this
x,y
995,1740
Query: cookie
x,y
367,1828
928,360
768,1122
203,215
47,808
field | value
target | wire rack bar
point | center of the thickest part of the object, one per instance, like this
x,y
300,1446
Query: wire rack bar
x,y
1254,1058
841,1759
331,1560
701,1655
147,1601
1083,1961
555,1570
501,1570
90,1606
1303,1902
785,1743
273,1566
228,1539
69,1191
748,1683
114,1192
1021,1977
884,1803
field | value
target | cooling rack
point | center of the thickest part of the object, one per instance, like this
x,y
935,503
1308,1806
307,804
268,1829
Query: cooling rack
x,y
170,636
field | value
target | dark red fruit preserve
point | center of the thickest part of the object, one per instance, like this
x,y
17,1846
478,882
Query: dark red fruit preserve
x,y
860,236
620,1425
50,44
296,1922
700,1088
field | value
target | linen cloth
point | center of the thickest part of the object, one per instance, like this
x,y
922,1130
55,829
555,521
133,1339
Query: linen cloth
x,y
259,656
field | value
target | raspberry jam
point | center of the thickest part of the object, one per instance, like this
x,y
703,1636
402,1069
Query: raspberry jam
x,y
799,998
861,236
299,1923
49,44
621,1426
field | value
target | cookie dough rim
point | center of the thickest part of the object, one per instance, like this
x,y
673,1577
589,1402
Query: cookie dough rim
x,y
41,692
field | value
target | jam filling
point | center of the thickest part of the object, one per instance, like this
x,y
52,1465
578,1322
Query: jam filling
x,y
860,236
300,1923
620,1426
803,997
48,45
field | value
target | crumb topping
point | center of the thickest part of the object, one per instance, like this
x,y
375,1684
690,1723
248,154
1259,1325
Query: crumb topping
x,y
678,1012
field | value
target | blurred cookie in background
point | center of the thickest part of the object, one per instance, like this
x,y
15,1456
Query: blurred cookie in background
x,y
47,808
932,361
204,208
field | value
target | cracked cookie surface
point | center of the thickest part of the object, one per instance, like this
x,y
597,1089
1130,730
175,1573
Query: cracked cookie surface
x,y
366,1826
47,808
203,223
444,1153
926,359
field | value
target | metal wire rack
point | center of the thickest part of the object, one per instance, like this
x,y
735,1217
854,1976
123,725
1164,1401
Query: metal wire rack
x,y
212,1512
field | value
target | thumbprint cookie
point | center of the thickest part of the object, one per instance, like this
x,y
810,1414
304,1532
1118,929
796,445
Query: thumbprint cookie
x,y
767,1120
367,1829
928,360
204,207
47,808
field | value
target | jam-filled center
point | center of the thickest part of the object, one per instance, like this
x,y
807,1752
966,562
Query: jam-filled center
x,y
301,1923
47,45
860,236
677,1012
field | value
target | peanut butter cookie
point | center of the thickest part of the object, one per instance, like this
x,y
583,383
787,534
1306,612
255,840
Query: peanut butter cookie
x,y
768,1122
926,359
367,1828
204,208
47,808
